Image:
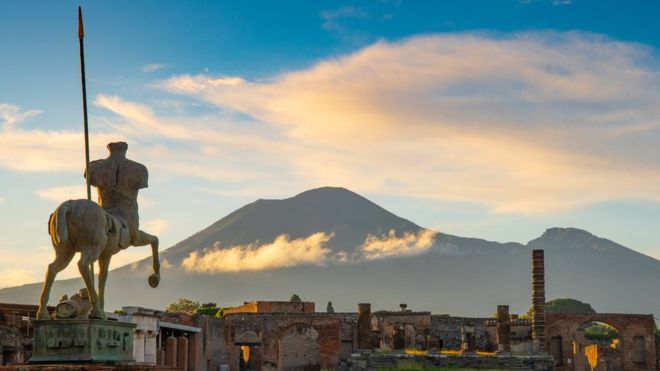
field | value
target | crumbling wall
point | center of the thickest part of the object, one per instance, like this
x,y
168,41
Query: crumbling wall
x,y
287,340
11,345
208,350
636,337
521,335
375,361
448,330
402,329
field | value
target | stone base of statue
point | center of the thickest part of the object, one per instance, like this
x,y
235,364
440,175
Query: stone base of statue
x,y
82,340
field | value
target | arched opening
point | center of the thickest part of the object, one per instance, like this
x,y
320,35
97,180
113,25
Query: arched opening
x,y
597,347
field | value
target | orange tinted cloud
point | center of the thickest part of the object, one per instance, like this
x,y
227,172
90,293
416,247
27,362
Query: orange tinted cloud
x,y
522,123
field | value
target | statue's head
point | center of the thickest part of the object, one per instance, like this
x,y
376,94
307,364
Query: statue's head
x,y
118,148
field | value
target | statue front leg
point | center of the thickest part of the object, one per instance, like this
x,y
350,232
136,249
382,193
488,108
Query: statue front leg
x,y
143,239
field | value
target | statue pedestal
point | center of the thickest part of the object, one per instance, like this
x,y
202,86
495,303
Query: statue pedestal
x,y
82,340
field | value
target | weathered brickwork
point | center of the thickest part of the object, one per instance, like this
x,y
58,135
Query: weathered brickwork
x,y
285,340
636,339
376,361
448,329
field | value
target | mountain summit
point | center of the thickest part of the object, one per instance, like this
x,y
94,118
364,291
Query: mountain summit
x,y
310,244
346,215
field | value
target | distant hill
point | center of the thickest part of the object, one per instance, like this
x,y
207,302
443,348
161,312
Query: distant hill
x,y
456,275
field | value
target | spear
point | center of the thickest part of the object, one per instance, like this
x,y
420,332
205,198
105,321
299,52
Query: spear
x,y
81,35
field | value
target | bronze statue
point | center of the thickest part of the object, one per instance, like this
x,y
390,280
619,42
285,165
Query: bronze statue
x,y
98,231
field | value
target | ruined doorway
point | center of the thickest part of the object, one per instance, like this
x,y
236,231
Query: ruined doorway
x,y
248,359
597,347
399,337
299,349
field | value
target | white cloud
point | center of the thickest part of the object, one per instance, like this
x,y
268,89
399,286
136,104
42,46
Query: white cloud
x,y
331,18
10,115
153,67
530,122
391,245
154,226
64,193
281,253
523,123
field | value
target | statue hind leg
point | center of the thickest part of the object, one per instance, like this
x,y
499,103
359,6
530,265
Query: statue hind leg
x,y
84,266
104,266
63,255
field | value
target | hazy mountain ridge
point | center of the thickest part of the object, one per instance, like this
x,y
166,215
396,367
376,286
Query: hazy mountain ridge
x,y
457,275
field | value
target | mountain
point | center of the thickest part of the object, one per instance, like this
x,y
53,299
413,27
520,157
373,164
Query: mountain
x,y
457,275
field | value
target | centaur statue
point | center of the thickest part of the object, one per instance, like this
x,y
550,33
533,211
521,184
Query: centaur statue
x,y
99,231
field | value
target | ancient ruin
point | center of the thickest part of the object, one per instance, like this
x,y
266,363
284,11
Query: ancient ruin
x,y
285,335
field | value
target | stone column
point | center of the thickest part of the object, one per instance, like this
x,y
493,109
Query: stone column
x,y
364,326
538,301
182,356
171,352
194,361
138,346
160,357
503,329
150,348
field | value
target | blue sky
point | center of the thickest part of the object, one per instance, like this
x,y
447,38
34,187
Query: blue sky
x,y
492,119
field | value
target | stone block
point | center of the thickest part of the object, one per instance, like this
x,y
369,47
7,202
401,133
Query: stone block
x,y
82,340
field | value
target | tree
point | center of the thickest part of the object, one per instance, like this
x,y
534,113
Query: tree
x,y
183,306
329,308
566,305
295,299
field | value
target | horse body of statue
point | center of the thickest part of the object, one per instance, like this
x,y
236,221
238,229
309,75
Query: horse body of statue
x,y
98,231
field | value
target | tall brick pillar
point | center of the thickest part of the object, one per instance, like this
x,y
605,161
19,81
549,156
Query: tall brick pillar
x,y
171,352
182,353
538,301
363,325
194,359
503,329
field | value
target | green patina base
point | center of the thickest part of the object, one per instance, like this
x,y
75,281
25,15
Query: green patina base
x,y
82,340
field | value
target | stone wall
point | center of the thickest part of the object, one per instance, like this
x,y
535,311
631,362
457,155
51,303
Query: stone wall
x,y
273,307
376,361
521,334
209,344
11,346
400,329
448,329
636,338
288,340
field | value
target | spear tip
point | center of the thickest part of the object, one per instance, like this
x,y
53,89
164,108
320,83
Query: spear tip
x,y
81,33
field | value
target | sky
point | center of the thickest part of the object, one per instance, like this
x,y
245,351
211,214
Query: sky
x,y
494,119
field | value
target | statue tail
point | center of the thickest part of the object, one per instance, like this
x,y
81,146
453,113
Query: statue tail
x,y
57,225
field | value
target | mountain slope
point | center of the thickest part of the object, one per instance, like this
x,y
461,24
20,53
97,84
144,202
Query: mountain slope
x,y
457,275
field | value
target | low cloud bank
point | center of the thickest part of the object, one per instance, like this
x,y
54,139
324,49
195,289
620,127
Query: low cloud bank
x,y
391,245
283,252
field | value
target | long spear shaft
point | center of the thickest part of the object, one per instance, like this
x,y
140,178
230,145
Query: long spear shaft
x,y
81,35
